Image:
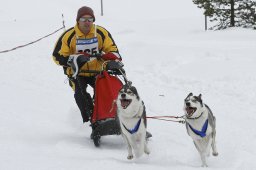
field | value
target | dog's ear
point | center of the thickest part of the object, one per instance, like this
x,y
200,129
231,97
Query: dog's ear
x,y
134,90
200,96
190,94
200,99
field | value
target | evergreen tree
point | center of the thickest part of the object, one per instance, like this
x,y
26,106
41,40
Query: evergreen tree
x,y
229,13
247,16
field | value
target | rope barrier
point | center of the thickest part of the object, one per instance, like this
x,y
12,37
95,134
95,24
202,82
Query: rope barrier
x,y
21,46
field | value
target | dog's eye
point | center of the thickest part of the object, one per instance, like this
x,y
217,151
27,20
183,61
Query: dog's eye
x,y
193,100
129,92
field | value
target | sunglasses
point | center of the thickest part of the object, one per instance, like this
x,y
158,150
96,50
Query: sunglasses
x,y
89,19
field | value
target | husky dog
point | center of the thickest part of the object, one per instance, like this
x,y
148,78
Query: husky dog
x,y
201,126
132,117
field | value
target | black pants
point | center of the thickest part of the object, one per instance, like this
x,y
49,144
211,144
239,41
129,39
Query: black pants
x,y
83,98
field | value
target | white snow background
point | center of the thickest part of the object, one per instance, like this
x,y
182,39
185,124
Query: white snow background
x,y
166,53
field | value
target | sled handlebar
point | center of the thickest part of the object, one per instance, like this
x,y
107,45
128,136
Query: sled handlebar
x,y
99,72
113,67
90,71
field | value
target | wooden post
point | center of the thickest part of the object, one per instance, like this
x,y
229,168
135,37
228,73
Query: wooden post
x,y
205,22
63,23
101,7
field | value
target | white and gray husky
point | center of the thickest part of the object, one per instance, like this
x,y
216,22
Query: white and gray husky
x,y
132,118
201,126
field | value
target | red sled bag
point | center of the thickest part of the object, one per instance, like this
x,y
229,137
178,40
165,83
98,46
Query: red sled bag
x,y
106,91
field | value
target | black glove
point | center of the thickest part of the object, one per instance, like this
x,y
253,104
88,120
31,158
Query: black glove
x,y
76,61
116,67
98,56
113,65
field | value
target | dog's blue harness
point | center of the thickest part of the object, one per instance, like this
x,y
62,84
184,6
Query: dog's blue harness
x,y
201,133
135,129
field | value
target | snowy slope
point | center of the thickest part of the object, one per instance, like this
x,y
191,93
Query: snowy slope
x,y
166,53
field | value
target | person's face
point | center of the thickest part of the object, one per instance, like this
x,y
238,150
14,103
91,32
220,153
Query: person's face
x,y
85,23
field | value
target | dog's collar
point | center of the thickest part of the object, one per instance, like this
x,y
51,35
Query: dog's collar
x,y
135,129
201,133
195,117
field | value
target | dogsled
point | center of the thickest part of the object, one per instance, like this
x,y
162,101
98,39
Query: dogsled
x,y
104,119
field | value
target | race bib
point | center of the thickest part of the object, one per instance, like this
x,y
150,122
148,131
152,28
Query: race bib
x,y
89,46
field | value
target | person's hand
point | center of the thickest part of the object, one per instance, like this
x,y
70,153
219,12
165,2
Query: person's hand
x,y
76,61
98,56
110,56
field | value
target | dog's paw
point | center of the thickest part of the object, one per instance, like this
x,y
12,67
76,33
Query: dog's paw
x,y
130,157
204,165
215,153
147,152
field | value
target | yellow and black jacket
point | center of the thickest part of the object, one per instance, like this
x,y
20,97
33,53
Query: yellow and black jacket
x,y
66,45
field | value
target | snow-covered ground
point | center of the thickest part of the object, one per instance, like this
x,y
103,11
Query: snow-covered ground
x,y
166,53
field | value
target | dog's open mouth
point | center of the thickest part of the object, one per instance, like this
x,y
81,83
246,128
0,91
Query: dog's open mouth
x,y
190,111
125,103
